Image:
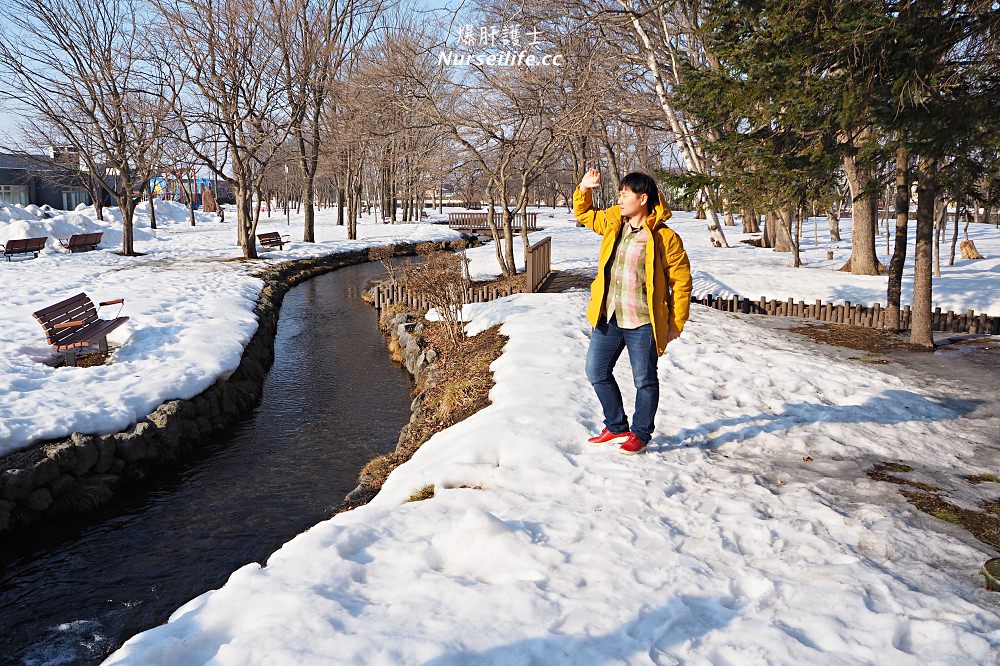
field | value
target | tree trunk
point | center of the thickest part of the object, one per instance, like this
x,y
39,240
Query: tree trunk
x,y
699,208
940,221
245,221
308,202
954,235
340,206
507,271
771,234
508,238
127,207
148,191
97,196
833,217
921,329
894,291
799,215
783,231
863,259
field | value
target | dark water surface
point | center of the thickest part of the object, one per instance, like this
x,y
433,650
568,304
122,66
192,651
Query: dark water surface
x,y
71,593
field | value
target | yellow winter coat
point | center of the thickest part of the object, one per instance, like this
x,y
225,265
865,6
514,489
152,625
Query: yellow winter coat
x,y
668,271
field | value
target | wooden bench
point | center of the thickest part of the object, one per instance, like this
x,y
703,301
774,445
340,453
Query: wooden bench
x,y
73,325
273,239
82,242
24,246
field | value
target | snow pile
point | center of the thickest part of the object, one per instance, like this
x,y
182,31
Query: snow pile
x,y
721,545
191,312
33,222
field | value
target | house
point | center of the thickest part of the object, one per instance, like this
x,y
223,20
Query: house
x,y
55,180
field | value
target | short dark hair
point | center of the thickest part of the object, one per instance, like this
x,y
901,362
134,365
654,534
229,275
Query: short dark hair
x,y
641,183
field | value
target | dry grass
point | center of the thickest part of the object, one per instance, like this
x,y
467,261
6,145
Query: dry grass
x,y
871,340
424,493
92,360
984,526
880,472
461,388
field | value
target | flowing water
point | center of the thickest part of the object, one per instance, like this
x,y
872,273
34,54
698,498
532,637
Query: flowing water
x,y
72,592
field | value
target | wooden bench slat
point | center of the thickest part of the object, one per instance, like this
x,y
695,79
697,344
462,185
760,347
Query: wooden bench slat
x,y
72,301
73,323
91,333
24,246
82,241
273,239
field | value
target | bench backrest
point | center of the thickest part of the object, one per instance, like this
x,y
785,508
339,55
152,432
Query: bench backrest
x,y
18,245
270,235
75,308
93,238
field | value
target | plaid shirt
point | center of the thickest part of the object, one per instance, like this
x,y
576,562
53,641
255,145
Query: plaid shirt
x,y
627,293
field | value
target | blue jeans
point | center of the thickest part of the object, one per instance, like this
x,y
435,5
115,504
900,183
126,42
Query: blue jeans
x,y
606,345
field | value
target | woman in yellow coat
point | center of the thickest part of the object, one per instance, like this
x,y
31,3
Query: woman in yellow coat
x,y
639,300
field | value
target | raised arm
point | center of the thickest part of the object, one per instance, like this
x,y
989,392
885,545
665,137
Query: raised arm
x,y
583,205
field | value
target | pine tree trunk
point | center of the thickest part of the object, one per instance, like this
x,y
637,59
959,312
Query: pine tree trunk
x,y
783,228
894,290
921,329
863,259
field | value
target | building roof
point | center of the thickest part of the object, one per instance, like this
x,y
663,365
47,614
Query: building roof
x,y
30,162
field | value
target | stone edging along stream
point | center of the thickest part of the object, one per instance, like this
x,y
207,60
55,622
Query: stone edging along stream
x,y
77,474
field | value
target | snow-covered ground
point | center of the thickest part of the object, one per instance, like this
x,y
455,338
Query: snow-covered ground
x,y
754,272
191,312
722,545
749,534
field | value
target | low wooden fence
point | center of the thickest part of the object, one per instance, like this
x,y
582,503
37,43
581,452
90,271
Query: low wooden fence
x,y
538,263
855,315
386,295
477,221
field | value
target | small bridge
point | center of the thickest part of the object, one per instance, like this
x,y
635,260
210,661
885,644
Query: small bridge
x,y
477,221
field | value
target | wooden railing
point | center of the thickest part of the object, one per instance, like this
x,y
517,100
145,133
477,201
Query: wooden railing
x,y
386,295
855,315
538,263
477,221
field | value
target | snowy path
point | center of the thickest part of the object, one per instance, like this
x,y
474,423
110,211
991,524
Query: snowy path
x,y
722,545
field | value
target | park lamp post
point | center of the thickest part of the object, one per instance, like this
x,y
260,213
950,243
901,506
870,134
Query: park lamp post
x,y
288,207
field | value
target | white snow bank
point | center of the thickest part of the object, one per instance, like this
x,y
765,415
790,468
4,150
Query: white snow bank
x,y
191,313
721,545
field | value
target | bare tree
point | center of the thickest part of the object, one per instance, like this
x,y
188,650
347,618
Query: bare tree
x,y
231,94
318,40
84,71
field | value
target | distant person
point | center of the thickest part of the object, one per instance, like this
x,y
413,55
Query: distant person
x,y
639,300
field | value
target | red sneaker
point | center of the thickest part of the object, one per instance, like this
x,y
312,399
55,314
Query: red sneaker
x,y
607,437
632,445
